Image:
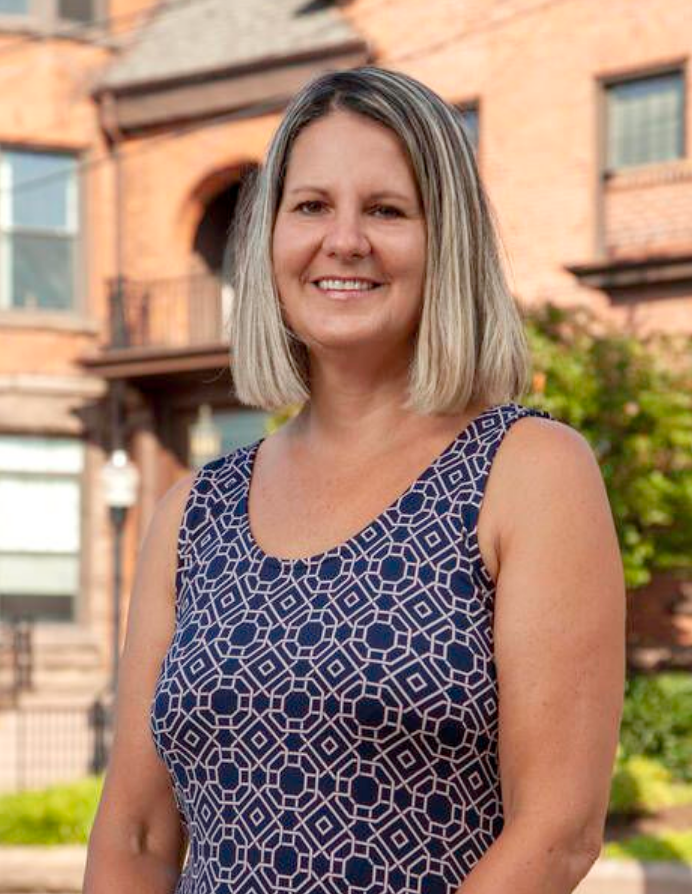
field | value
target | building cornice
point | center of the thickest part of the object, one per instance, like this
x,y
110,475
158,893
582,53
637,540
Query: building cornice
x,y
242,89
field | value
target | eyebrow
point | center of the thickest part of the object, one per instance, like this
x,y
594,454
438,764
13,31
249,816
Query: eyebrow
x,y
384,194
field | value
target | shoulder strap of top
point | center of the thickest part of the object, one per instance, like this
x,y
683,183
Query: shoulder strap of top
x,y
480,459
216,488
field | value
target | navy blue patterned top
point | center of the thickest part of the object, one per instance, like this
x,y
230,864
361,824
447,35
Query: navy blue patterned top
x,y
330,723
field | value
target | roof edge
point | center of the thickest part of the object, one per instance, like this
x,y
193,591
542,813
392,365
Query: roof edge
x,y
254,66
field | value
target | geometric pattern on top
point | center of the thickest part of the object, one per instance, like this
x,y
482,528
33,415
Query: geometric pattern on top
x,y
330,724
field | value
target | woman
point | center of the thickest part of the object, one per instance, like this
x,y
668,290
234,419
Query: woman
x,y
339,675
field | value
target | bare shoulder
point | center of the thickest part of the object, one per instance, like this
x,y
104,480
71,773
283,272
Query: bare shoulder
x,y
171,505
544,452
545,466
176,495
162,532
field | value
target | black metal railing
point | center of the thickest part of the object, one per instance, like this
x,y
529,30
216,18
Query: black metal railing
x,y
16,659
169,312
41,745
48,745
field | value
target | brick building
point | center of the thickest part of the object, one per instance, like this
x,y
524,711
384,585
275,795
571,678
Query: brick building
x,y
124,133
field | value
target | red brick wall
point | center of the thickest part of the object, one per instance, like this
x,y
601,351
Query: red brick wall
x,y
167,182
535,66
649,211
46,104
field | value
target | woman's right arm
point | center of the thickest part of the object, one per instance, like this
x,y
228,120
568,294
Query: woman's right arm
x,y
137,842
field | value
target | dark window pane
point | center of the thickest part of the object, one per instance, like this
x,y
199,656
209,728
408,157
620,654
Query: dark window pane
x,y
239,427
470,116
645,121
43,189
14,7
77,10
41,270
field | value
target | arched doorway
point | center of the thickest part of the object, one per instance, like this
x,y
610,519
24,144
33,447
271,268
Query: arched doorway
x,y
211,263
211,238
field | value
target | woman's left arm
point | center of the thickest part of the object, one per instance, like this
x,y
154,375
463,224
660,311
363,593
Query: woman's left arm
x,y
559,634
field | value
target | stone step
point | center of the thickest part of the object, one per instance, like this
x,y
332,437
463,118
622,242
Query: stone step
x,y
50,659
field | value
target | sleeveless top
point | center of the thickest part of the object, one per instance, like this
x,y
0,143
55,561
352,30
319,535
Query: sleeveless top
x,y
330,724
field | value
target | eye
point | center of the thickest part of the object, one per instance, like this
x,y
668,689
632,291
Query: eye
x,y
387,211
311,206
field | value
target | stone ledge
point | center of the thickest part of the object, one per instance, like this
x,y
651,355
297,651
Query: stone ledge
x,y
42,870
632,877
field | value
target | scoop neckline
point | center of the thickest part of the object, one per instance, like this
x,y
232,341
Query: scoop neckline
x,y
315,558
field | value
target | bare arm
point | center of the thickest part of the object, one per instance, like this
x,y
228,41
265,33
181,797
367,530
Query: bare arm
x,y
560,657
137,843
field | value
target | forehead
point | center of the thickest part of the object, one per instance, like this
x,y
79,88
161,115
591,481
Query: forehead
x,y
344,144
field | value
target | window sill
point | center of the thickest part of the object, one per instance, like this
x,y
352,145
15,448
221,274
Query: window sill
x,y
624,273
649,175
47,320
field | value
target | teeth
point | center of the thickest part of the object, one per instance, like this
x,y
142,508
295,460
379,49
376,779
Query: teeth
x,y
345,285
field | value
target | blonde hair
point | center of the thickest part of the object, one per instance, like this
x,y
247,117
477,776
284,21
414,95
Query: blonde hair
x,y
470,345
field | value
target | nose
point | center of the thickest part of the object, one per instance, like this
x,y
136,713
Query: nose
x,y
345,236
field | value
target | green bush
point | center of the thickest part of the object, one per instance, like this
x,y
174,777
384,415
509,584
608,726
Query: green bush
x,y
62,814
657,720
642,785
632,400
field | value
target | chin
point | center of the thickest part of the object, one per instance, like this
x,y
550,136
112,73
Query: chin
x,y
341,337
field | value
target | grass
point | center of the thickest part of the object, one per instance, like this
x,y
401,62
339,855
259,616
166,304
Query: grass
x,y
668,846
62,814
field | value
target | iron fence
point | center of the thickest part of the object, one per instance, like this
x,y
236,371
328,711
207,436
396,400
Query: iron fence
x,y
47,745
168,312
16,659
41,745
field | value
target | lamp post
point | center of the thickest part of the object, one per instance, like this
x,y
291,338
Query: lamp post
x,y
120,481
205,438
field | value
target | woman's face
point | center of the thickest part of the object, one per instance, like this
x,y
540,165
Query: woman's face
x,y
349,244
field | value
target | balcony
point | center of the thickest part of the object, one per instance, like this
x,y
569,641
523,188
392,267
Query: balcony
x,y
164,326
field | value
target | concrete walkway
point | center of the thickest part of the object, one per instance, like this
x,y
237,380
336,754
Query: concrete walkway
x,y
42,870
60,870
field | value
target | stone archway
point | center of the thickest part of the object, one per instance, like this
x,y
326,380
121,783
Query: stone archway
x,y
211,236
211,262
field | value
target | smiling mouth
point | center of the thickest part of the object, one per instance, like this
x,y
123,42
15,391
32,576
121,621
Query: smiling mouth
x,y
335,287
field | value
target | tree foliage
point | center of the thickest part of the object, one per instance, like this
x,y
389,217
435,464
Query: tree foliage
x,y
632,399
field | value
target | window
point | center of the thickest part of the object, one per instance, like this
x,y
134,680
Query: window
x,y
14,7
54,11
224,431
240,427
38,230
76,10
470,118
40,496
645,119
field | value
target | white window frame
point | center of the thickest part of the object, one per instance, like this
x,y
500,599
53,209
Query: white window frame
x,y
73,232
32,466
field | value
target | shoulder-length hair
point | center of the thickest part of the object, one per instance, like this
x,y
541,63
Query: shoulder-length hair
x,y
470,344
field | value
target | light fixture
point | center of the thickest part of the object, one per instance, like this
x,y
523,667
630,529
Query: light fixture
x,y
205,438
